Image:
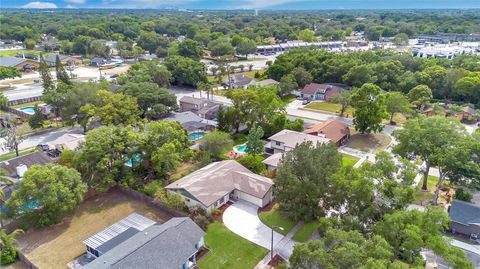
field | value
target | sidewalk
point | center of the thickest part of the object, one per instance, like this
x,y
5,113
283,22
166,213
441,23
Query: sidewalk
x,y
284,248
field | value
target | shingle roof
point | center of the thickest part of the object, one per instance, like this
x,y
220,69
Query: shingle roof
x,y
273,160
168,245
268,81
292,138
332,129
8,61
314,87
192,100
39,157
469,110
191,121
53,58
216,180
464,212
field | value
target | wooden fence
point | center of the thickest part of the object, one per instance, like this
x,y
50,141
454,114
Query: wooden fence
x,y
14,111
24,100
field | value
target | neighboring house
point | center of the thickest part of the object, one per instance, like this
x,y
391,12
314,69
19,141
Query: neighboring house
x,y
465,218
98,61
287,140
21,64
468,114
217,183
273,161
334,130
139,242
240,81
192,122
204,108
17,167
67,141
315,91
147,57
64,59
267,82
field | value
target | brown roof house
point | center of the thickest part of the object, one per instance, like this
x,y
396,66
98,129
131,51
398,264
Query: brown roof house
x,y
334,130
469,114
315,91
23,65
204,108
217,183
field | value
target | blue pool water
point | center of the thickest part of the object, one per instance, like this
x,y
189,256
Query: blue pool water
x,y
241,148
28,109
196,136
137,159
30,205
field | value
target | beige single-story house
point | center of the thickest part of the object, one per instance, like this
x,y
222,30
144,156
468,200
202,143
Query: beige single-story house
x,y
217,183
287,140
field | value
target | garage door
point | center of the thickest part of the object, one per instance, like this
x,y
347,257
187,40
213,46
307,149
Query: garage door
x,y
249,198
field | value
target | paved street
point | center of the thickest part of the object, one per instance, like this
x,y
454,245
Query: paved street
x,y
33,140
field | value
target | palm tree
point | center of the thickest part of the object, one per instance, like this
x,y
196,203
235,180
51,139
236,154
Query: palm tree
x,y
7,240
5,179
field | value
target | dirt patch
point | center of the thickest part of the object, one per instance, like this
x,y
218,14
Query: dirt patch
x,y
368,142
55,246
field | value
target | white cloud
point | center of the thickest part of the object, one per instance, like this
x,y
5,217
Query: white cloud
x,y
78,2
70,6
39,5
144,3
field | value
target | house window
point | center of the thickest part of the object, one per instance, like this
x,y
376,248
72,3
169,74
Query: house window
x,y
277,143
222,200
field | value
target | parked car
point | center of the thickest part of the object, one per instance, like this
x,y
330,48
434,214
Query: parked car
x,y
43,147
305,102
114,76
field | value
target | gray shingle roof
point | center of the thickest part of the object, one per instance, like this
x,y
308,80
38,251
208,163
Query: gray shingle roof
x,y
39,157
53,58
168,245
8,61
464,212
217,179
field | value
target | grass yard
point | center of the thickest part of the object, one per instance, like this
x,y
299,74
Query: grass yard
x,y
348,160
420,196
228,250
366,142
276,218
93,215
14,52
306,231
11,155
329,108
28,104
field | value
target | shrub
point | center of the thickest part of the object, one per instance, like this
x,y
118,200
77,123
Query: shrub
x,y
253,163
8,255
201,221
462,195
152,188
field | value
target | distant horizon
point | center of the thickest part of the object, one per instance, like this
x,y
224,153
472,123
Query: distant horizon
x,y
271,5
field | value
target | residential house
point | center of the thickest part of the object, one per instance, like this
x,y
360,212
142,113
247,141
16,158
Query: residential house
x,y
334,130
17,167
64,59
240,81
192,122
287,140
98,61
204,108
272,161
315,91
469,114
24,65
217,183
67,141
139,242
465,218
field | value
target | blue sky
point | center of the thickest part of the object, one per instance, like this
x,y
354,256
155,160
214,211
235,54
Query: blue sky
x,y
247,4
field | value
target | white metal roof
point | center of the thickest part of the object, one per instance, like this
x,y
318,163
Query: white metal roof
x,y
133,220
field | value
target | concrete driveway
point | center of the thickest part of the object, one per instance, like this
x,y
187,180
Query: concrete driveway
x,y
242,219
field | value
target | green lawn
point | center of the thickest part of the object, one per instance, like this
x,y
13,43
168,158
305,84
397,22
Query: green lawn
x,y
28,104
348,160
329,107
276,218
14,52
11,155
228,250
306,231
420,195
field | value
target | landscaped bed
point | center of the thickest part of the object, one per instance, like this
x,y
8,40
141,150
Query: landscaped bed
x,y
228,250
55,246
276,218
366,142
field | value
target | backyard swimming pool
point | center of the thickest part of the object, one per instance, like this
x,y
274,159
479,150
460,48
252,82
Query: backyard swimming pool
x,y
136,159
30,205
241,148
196,136
28,109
